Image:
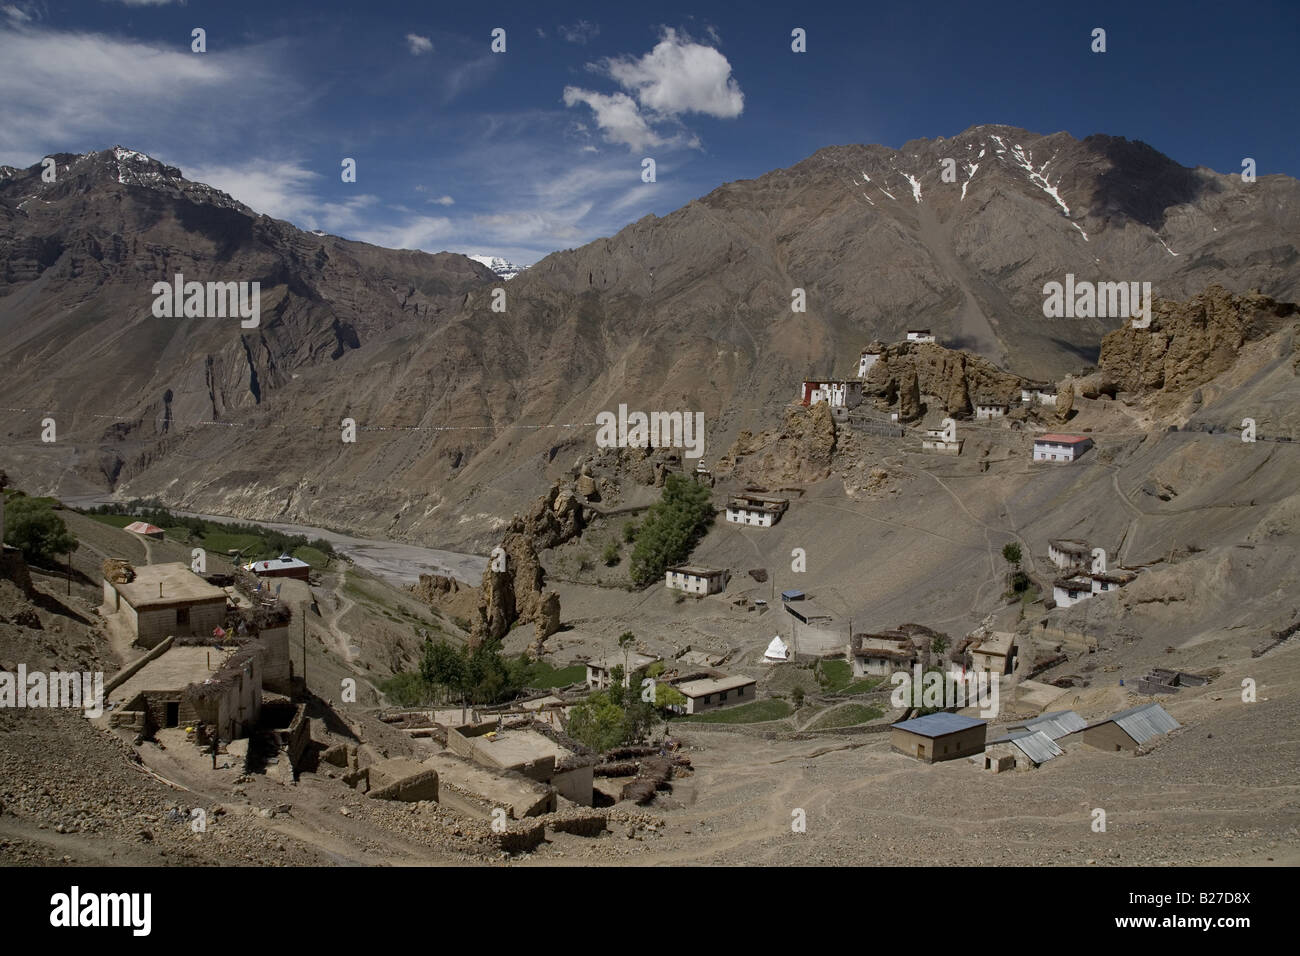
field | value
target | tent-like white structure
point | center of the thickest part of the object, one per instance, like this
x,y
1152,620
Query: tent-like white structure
x,y
776,652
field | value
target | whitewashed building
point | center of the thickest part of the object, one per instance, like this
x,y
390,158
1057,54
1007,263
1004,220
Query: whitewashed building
x,y
1067,592
754,510
1069,553
920,335
695,580
1039,395
839,393
989,408
1060,448
935,441
870,356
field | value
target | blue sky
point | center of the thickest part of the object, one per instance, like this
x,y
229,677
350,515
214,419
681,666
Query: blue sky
x,y
539,148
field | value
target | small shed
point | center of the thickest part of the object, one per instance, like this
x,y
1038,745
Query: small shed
x,y
146,529
1129,729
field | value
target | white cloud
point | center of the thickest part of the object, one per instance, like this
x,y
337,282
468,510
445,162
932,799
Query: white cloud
x,y
285,190
418,44
680,76
677,77
15,14
581,32
444,201
617,115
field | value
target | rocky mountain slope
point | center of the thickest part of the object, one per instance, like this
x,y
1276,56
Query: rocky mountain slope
x,y
463,412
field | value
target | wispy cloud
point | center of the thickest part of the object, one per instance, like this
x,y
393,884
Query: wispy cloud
x,y
418,44
62,90
581,33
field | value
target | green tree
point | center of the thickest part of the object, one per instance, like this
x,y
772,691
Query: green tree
x,y
671,528
443,666
32,526
597,722
1011,551
667,696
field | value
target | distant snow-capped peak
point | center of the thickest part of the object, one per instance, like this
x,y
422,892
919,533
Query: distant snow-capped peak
x,y
502,267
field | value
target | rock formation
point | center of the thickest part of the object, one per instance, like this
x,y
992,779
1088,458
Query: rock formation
x,y
1189,342
952,375
517,593
800,451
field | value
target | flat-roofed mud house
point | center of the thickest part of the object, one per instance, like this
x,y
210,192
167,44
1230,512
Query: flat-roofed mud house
x,y
1129,729
988,407
937,737
1038,394
1081,587
599,671
187,685
994,654
879,655
694,579
711,693
533,750
756,510
1069,553
161,600
920,335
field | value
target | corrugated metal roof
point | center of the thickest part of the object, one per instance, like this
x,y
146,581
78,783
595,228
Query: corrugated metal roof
x,y
936,725
1034,744
1144,721
1056,724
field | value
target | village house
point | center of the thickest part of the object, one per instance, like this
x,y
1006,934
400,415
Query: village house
x,y
599,671
935,441
1038,395
878,655
1080,587
181,686
695,580
840,393
920,335
1059,448
937,737
156,601
1020,750
1069,553
285,566
756,510
710,693
533,750
1129,729
988,408
994,654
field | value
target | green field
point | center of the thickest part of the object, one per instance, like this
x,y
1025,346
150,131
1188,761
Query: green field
x,y
846,716
543,675
753,713
220,541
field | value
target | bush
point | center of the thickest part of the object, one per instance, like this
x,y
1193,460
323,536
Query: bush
x,y
611,555
629,532
671,529
32,527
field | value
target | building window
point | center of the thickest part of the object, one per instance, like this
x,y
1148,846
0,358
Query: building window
x,y
182,617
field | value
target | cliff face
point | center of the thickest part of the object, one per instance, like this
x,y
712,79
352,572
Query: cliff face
x,y
1189,342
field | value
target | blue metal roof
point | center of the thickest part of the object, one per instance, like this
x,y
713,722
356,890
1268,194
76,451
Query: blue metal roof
x,y
937,725
791,595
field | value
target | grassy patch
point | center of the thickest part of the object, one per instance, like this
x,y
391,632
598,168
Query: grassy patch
x,y
846,716
317,559
116,521
836,675
543,675
862,686
752,713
